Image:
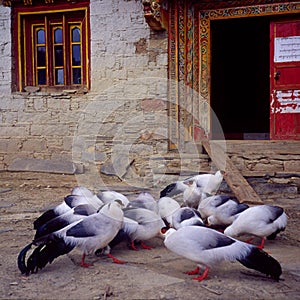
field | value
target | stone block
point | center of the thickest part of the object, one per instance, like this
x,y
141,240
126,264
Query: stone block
x,y
34,145
292,166
57,130
42,165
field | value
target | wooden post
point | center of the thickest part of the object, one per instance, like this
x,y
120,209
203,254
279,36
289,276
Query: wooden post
x,y
236,181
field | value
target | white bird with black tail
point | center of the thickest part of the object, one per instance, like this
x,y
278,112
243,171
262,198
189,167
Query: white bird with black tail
x,y
88,234
208,183
207,247
264,221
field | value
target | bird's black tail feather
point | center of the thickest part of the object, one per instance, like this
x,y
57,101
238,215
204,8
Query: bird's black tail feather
x,y
44,218
22,259
43,254
261,261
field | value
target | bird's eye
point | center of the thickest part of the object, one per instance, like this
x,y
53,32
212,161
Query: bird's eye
x,y
164,230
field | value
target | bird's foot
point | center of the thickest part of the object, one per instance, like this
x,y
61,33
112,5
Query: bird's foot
x,y
144,246
115,260
85,265
203,276
133,247
262,244
194,272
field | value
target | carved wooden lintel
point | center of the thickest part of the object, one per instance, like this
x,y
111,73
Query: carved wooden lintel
x,y
154,14
30,2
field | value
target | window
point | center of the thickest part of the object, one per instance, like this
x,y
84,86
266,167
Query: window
x,y
52,48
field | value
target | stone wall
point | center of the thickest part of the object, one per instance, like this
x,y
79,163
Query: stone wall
x,y
5,52
123,113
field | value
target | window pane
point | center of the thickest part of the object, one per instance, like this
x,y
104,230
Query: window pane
x,y
76,59
59,58
58,36
42,77
40,36
76,35
41,56
59,76
76,76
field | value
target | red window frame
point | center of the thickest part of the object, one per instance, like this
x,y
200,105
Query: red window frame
x,y
65,17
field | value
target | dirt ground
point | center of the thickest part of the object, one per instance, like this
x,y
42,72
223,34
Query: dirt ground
x,y
148,274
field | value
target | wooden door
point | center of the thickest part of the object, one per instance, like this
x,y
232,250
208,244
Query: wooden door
x,y
285,80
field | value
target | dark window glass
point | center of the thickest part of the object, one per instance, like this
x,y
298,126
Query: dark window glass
x,y
59,59
76,35
42,77
58,38
41,36
41,56
76,58
76,76
59,76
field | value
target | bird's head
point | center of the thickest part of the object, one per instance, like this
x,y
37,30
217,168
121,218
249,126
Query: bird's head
x,y
119,202
166,231
189,182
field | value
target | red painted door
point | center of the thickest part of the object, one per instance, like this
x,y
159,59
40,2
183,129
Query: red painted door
x,y
285,80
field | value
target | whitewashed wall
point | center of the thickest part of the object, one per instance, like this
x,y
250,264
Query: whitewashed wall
x,y
124,112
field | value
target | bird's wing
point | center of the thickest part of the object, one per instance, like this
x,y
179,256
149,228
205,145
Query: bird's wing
x,y
274,212
169,190
140,215
84,210
92,225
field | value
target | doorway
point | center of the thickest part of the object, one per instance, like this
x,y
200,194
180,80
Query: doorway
x,y
240,83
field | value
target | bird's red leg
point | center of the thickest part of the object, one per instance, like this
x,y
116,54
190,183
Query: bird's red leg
x,y
203,276
133,247
144,246
115,260
262,244
83,264
249,240
194,272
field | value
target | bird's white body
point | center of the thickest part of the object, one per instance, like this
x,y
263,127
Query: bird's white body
x,y
109,196
226,213
86,197
148,223
260,220
166,207
145,200
192,194
208,206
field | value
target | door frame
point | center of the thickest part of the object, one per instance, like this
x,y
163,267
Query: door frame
x,y
205,17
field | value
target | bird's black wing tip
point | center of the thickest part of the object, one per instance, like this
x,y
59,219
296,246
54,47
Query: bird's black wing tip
x,y
166,191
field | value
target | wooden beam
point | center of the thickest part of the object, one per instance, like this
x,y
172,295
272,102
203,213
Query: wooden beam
x,y
238,184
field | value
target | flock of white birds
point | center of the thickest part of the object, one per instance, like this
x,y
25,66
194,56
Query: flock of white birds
x,y
203,227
